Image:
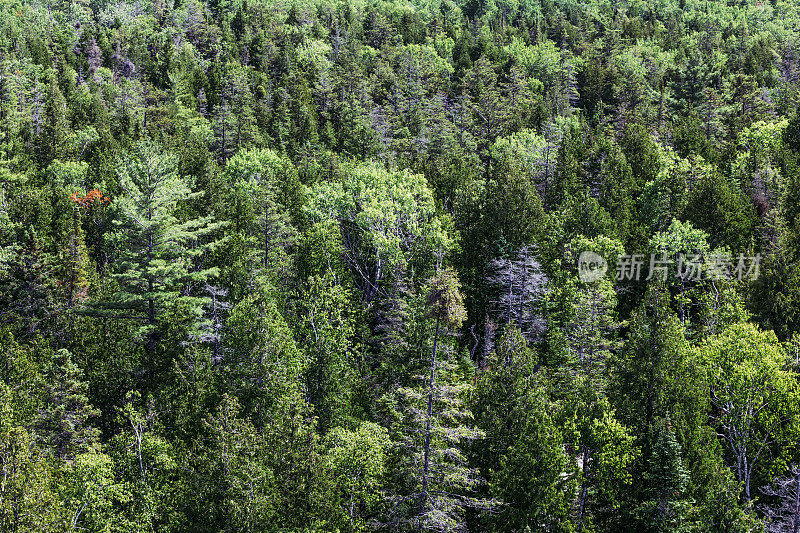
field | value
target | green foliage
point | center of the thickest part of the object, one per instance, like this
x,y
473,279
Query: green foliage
x,y
388,222
264,363
313,266
523,450
355,464
160,254
64,424
755,398
328,329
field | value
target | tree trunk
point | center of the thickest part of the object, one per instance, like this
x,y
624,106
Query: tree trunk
x,y
426,462
796,524
584,489
746,478
266,236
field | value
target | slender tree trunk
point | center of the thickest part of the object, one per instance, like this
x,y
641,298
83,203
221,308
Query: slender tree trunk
x,y
796,524
584,489
426,462
73,251
746,479
151,308
266,237
520,309
510,292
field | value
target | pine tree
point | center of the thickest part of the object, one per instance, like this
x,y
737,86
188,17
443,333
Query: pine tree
x,y
264,364
161,257
652,357
51,135
224,125
27,290
210,331
74,263
438,483
665,480
238,487
488,105
8,228
64,421
591,326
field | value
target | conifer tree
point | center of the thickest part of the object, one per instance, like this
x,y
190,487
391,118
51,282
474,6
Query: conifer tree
x,y
523,454
665,480
438,483
590,322
64,423
27,290
74,266
160,256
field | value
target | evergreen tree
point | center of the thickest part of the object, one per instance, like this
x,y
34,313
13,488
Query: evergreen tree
x,y
161,257
437,482
64,423
666,507
264,199
523,454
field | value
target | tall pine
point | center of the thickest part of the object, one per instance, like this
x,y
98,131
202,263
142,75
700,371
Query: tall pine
x,y
161,257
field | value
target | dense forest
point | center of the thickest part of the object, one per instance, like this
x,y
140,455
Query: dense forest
x,y
427,265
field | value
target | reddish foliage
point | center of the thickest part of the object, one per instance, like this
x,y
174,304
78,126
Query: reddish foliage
x,y
93,197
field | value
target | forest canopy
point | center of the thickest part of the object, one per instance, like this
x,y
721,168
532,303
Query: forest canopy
x,y
427,265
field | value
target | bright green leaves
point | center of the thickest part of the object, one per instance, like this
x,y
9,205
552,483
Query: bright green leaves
x,y
680,239
755,400
160,254
327,330
263,202
615,453
145,462
354,464
93,494
388,222
237,458
71,175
